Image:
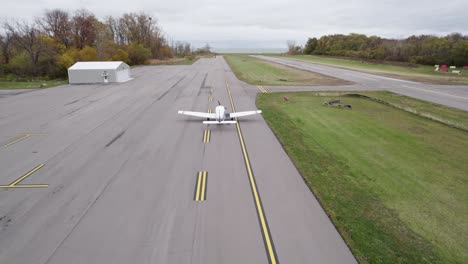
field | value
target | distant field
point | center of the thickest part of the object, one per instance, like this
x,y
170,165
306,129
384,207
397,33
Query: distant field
x,y
30,85
420,73
261,72
393,183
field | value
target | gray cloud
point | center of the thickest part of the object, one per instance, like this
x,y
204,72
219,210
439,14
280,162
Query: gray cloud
x,y
250,23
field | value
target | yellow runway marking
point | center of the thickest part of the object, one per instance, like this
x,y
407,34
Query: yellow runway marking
x,y
210,111
210,99
206,136
17,140
15,183
200,188
203,190
23,137
271,252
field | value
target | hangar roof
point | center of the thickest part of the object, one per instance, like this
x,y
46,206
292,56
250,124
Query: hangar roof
x,y
96,65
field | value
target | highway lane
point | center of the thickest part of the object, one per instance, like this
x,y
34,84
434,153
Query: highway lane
x,y
450,95
122,172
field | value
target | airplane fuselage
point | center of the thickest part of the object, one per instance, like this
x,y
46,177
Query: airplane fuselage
x,y
220,113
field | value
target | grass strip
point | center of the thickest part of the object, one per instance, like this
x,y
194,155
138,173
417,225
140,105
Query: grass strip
x,y
7,85
260,72
392,182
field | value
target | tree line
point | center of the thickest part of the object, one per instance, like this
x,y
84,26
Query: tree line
x,y
423,49
50,44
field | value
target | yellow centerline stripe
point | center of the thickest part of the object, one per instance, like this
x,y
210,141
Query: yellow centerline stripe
x,y
263,223
197,194
206,136
202,196
200,188
17,140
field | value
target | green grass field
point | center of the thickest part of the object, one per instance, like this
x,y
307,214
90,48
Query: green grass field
x,y
261,72
393,183
420,73
6,85
443,114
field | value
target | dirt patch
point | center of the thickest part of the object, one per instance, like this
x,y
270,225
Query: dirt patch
x,y
165,62
337,103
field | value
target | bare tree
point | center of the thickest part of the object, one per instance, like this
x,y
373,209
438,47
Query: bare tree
x,y
291,47
115,30
56,23
104,43
139,28
28,37
204,49
83,26
187,48
6,45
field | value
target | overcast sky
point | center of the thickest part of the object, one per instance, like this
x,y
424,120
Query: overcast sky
x,y
268,24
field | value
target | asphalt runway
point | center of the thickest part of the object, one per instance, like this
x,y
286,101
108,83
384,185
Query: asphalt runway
x,y
111,174
455,96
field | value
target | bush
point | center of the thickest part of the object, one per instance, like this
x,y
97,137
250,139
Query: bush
x,y
87,54
190,57
3,69
21,64
165,52
138,54
121,55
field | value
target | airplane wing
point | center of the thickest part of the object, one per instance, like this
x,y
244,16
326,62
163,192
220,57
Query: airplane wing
x,y
246,113
198,114
219,123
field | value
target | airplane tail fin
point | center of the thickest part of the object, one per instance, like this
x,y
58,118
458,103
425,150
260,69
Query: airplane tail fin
x,y
219,123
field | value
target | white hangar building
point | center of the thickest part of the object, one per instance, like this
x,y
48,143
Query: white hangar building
x,y
98,72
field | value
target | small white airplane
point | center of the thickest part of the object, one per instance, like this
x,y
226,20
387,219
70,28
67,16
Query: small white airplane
x,y
220,115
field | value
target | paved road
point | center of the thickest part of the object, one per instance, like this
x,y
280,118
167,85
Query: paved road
x,y
450,95
120,175
7,93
